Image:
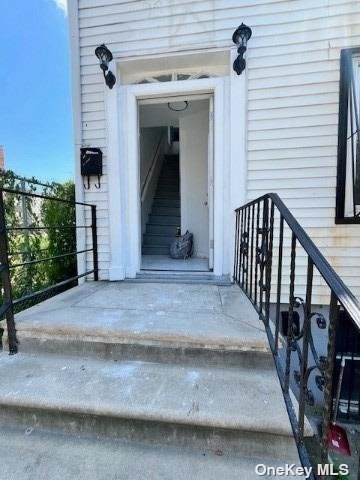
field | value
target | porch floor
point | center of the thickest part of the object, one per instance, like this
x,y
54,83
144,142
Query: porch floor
x,y
177,372
182,314
165,263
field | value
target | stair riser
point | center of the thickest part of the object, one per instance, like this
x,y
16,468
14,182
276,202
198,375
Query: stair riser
x,y
166,202
157,240
170,177
204,439
161,229
158,250
167,196
165,210
165,190
165,219
146,352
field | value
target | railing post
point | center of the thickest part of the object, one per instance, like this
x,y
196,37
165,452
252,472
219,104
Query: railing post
x,y
236,246
257,254
328,376
6,283
241,259
305,349
269,248
289,339
279,280
243,249
252,250
94,242
264,250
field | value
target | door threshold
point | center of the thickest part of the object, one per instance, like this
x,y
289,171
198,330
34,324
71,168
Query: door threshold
x,y
166,276
164,263
154,271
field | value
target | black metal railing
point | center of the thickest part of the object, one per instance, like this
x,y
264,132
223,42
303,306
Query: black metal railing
x,y
41,272
281,271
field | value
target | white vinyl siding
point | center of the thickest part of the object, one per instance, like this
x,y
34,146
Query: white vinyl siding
x,y
293,74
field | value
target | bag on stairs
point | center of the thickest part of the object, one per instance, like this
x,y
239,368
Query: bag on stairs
x,y
182,247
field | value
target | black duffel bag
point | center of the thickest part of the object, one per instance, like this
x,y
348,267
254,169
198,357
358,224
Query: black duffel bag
x,y
182,247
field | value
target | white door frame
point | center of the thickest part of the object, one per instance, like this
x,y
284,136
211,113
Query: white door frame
x,y
210,170
123,169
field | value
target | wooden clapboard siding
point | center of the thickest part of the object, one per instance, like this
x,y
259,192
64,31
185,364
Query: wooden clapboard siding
x,y
299,115
293,74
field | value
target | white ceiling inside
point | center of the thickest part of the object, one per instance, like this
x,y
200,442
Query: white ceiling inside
x,y
160,115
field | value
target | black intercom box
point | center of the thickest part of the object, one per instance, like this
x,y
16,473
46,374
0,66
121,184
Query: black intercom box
x,y
91,161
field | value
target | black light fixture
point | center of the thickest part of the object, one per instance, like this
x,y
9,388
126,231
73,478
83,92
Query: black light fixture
x,y
105,56
179,109
240,38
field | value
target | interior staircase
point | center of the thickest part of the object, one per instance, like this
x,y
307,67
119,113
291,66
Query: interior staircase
x,y
165,214
154,381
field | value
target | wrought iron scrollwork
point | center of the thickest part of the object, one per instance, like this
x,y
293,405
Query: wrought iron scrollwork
x,y
320,362
263,220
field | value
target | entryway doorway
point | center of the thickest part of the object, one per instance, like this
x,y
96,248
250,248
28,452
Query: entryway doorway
x,y
176,180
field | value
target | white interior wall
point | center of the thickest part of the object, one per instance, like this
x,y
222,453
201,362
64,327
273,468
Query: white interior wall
x,y
194,130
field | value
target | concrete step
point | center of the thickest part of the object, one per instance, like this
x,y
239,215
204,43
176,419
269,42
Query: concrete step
x,y
165,210
155,250
165,219
162,229
149,321
230,409
157,239
82,458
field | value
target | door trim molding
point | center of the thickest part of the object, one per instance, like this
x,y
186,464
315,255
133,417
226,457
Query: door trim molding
x,y
123,169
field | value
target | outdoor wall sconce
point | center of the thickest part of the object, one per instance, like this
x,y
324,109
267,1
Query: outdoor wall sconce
x,y
105,56
240,38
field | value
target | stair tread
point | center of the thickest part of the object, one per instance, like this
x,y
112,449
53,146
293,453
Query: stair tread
x,y
150,234
191,315
146,391
118,459
155,250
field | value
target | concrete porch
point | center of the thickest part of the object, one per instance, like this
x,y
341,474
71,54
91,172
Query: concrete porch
x,y
178,315
173,372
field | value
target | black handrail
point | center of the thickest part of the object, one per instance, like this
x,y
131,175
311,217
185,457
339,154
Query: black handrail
x,y
257,223
344,295
7,266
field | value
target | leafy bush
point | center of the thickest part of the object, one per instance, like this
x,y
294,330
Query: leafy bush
x,y
33,243
61,236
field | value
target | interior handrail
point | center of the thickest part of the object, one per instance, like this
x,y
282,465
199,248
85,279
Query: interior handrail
x,y
151,168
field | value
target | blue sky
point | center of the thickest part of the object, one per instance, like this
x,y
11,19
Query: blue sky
x,y
35,89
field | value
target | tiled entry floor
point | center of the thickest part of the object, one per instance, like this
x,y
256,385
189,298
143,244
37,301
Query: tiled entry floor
x,y
165,263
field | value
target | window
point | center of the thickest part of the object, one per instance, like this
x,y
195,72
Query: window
x,y
173,77
348,171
